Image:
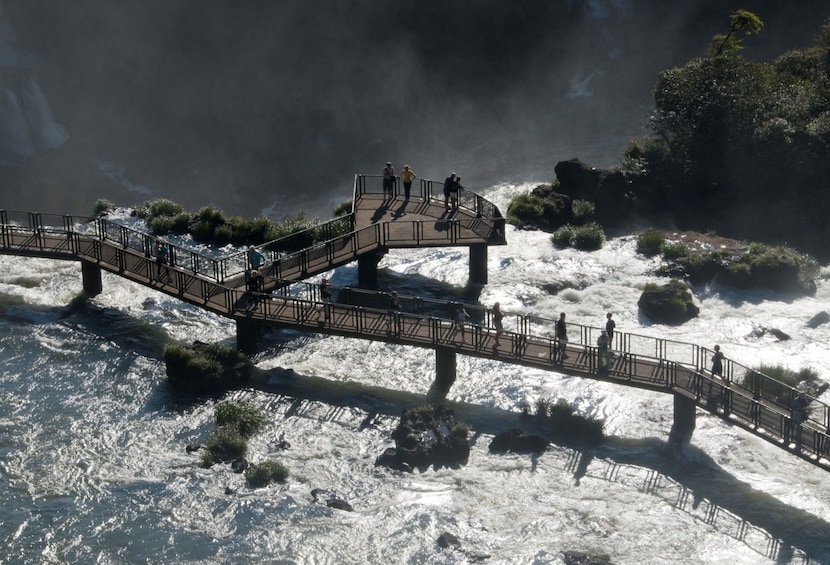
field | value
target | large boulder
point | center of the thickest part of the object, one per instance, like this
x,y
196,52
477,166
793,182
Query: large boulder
x,y
668,304
427,436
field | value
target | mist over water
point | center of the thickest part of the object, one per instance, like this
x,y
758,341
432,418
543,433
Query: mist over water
x,y
277,104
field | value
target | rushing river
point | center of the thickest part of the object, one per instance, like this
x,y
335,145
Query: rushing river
x,y
94,469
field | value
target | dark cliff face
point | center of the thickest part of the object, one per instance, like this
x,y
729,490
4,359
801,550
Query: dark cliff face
x,y
248,104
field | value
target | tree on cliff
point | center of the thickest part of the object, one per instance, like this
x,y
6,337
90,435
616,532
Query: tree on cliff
x,y
741,146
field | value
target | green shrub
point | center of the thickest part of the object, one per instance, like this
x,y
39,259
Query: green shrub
x,y
266,473
158,207
525,205
675,250
223,235
563,421
563,236
784,381
584,212
201,231
461,430
224,444
342,209
102,205
241,416
650,242
588,237
204,369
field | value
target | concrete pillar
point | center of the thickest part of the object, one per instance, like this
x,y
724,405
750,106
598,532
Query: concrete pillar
x,y
247,334
367,269
478,263
445,368
91,275
685,411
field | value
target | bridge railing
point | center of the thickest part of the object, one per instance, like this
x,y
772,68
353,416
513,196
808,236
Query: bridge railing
x,y
428,191
66,234
631,347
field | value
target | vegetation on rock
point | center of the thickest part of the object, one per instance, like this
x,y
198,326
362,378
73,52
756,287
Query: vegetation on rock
x,y
265,473
209,225
670,303
562,421
205,368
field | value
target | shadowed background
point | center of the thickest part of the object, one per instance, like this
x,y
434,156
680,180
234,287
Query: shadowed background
x,y
275,105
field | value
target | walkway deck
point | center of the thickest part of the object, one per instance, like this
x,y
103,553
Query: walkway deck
x,y
647,363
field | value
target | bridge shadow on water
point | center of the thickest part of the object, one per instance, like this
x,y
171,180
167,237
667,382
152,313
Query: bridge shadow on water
x,y
689,480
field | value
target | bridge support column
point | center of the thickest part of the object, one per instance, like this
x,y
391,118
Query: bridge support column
x,y
444,368
91,276
247,336
478,263
367,269
685,411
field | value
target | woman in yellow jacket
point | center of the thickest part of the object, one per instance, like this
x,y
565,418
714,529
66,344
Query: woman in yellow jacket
x,y
407,175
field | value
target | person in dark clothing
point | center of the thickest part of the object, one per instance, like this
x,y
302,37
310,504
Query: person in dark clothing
x,y
717,362
388,181
449,183
256,286
325,297
609,328
395,315
561,336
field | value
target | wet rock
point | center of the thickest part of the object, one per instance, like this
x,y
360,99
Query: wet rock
x,y
761,331
426,436
819,319
339,504
239,465
191,447
283,445
668,304
447,539
580,558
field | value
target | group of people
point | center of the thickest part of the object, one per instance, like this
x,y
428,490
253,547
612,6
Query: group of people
x,y
407,176
452,185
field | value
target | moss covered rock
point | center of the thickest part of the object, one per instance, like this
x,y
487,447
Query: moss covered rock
x,y
668,304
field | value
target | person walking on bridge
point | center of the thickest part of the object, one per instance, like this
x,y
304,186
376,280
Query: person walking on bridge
x,y
561,336
461,317
325,297
395,323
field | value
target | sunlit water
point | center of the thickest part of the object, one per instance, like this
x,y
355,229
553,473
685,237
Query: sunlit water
x,y
92,443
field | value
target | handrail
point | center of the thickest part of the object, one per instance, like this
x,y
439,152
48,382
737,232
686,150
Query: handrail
x,y
124,252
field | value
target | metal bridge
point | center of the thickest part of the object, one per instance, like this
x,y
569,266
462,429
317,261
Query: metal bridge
x,y
742,396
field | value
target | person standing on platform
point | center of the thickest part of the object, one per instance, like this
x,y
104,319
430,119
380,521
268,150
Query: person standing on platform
x,y
610,325
456,187
448,184
388,181
717,362
407,176
255,258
